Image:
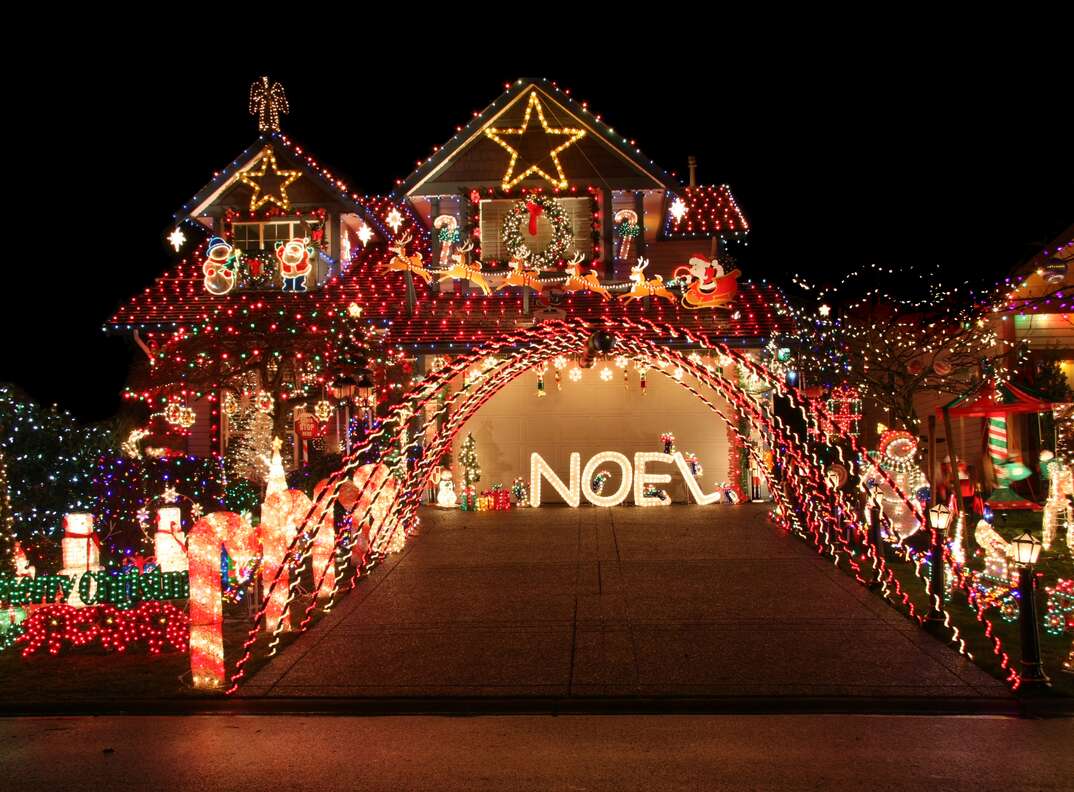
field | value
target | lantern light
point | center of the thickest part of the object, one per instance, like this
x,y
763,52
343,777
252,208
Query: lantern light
x,y
1026,549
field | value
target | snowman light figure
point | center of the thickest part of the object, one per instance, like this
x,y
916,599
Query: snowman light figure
x,y
445,495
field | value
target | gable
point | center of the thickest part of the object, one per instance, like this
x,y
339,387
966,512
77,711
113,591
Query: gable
x,y
534,136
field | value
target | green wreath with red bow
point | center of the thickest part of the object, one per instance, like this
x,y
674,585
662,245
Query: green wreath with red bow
x,y
521,221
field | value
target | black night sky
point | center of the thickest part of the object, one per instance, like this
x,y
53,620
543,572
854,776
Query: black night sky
x,y
958,162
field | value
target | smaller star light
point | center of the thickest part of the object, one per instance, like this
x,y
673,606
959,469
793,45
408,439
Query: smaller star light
x,y
177,238
354,310
824,310
395,219
678,209
621,361
170,494
365,233
606,374
196,511
575,374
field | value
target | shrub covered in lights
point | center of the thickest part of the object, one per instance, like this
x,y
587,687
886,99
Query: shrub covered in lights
x,y
127,493
51,461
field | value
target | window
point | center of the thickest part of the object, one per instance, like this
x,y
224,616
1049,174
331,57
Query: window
x,y
263,236
580,211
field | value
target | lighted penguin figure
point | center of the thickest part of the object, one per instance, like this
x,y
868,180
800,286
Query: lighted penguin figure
x,y
221,266
294,259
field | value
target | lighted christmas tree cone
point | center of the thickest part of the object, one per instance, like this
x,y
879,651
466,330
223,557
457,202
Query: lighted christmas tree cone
x,y
80,548
211,535
169,541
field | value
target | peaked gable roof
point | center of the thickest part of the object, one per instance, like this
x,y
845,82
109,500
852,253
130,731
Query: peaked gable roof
x,y
477,158
289,156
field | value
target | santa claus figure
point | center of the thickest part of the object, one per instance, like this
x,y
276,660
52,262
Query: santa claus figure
x,y
710,286
294,259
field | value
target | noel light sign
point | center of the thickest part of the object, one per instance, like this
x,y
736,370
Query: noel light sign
x,y
635,477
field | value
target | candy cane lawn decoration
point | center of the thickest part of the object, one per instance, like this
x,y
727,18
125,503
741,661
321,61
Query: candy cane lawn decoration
x,y
628,229
371,480
448,227
211,534
281,514
324,543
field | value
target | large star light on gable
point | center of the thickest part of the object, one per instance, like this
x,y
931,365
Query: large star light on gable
x,y
555,141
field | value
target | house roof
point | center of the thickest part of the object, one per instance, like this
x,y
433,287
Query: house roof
x,y
290,156
709,210
443,320
601,157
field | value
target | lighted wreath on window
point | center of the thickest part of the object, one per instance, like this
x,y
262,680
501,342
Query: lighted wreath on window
x,y
520,229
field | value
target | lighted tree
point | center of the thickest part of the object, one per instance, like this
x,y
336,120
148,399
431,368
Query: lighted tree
x,y
294,358
1051,383
471,471
51,461
7,524
894,348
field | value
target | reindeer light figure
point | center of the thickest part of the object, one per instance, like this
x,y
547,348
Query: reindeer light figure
x,y
576,281
463,269
653,287
401,262
520,276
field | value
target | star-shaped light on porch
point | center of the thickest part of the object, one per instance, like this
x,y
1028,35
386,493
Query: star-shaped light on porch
x,y
550,135
177,238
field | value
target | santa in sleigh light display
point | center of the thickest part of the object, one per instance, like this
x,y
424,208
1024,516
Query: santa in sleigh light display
x,y
706,284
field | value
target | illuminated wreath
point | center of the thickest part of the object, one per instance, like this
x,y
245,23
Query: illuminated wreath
x,y
527,210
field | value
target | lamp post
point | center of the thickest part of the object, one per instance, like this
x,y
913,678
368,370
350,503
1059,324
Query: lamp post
x,y
1026,551
940,517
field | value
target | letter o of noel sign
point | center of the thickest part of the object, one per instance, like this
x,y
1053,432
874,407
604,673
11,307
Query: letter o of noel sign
x,y
580,482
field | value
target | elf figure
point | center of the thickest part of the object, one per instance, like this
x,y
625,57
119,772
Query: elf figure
x,y
709,285
294,258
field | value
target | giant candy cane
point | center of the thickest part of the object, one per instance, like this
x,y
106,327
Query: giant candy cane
x,y
211,534
628,229
324,542
448,227
280,515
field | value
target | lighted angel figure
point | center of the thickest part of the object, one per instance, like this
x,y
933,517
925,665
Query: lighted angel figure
x,y
267,101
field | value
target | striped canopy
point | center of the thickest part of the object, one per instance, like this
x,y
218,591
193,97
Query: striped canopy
x,y
989,399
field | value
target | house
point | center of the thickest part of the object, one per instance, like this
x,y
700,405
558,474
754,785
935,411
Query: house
x,y
536,209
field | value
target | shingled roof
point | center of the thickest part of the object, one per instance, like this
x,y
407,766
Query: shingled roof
x,y
602,157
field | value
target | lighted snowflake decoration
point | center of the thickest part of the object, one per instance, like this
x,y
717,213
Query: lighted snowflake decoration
x,y
677,373
170,494
678,209
621,361
575,374
472,376
560,362
491,362
143,515
365,233
395,219
196,510
177,238
606,374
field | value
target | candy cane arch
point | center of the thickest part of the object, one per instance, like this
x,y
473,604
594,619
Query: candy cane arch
x,y
385,509
210,535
